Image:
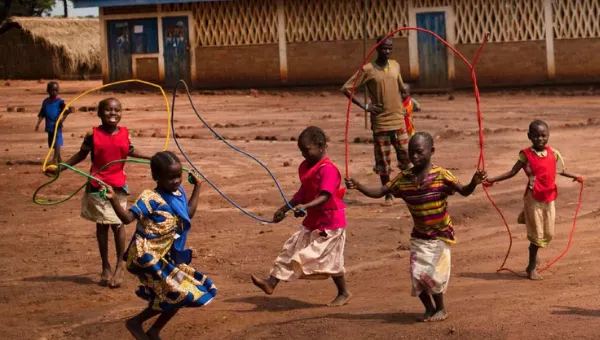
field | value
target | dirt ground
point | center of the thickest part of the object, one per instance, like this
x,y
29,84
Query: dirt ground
x,y
49,267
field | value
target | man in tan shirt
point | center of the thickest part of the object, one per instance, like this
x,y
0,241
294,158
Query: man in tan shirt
x,y
385,87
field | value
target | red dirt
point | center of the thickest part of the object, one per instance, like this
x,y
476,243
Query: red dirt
x,y
50,265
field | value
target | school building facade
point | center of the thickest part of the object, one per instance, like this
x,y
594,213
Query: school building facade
x,y
265,43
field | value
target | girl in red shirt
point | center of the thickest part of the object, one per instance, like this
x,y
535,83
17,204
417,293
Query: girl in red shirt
x,y
316,251
539,162
106,143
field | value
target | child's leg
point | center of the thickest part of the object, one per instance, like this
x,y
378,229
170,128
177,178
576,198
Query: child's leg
x,y
343,294
154,331
429,308
120,244
268,285
134,325
102,236
440,311
57,159
531,267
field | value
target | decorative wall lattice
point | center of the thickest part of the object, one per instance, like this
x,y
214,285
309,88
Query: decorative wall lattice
x,y
385,16
323,20
252,22
575,19
230,23
328,20
513,20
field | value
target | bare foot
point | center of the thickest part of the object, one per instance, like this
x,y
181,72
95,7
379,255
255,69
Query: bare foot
x,y
388,202
136,329
153,334
534,275
262,284
439,316
340,300
427,316
117,279
105,277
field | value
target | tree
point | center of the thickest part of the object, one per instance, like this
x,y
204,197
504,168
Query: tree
x,y
27,8
66,8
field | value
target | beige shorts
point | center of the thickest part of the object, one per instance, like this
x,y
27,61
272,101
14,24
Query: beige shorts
x,y
98,210
539,218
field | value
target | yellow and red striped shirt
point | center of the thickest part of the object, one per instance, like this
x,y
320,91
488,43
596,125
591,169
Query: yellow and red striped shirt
x,y
427,202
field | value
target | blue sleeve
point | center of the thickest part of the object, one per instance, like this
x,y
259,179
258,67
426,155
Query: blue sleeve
x,y
144,206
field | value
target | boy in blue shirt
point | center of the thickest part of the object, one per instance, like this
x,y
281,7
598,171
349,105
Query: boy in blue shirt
x,y
51,109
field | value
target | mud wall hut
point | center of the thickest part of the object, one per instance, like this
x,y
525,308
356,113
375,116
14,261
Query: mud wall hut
x,y
49,48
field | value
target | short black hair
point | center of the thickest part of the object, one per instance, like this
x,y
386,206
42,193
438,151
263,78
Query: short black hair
x,y
382,37
104,102
315,135
428,138
161,161
50,84
537,123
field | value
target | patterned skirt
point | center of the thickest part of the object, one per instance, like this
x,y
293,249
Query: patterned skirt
x,y
165,285
429,266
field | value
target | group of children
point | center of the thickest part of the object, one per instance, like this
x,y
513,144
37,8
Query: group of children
x,y
157,255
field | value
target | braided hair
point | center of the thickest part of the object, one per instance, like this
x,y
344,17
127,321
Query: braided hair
x,y
314,135
160,162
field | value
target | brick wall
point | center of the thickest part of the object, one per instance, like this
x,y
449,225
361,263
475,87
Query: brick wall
x,y
503,64
332,63
237,66
308,63
335,61
577,60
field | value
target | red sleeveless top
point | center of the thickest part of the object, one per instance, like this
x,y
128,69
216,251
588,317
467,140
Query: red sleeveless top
x,y
108,148
323,176
544,170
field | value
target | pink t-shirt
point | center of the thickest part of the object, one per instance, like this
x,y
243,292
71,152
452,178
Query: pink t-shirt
x,y
331,214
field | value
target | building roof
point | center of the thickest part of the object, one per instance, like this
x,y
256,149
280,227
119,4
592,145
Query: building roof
x,y
115,3
77,39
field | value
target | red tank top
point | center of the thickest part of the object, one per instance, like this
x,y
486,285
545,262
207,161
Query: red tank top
x,y
544,170
108,148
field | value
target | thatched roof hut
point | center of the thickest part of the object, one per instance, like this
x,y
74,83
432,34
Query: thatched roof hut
x,y
61,48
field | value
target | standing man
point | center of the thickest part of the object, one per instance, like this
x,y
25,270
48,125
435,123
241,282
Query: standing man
x,y
385,86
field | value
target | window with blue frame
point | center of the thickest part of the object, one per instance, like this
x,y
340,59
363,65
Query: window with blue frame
x,y
145,36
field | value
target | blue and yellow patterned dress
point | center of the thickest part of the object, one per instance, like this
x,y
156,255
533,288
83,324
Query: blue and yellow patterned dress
x,y
157,256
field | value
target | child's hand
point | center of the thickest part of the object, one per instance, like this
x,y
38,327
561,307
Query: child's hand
x,y
300,210
279,216
110,193
479,177
351,183
578,179
37,127
195,178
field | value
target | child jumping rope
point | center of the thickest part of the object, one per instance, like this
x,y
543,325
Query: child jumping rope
x,y
316,251
50,111
157,253
540,164
106,143
425,189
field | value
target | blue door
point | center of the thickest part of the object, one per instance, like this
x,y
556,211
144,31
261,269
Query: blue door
x,y
433,63
176,50
119,51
